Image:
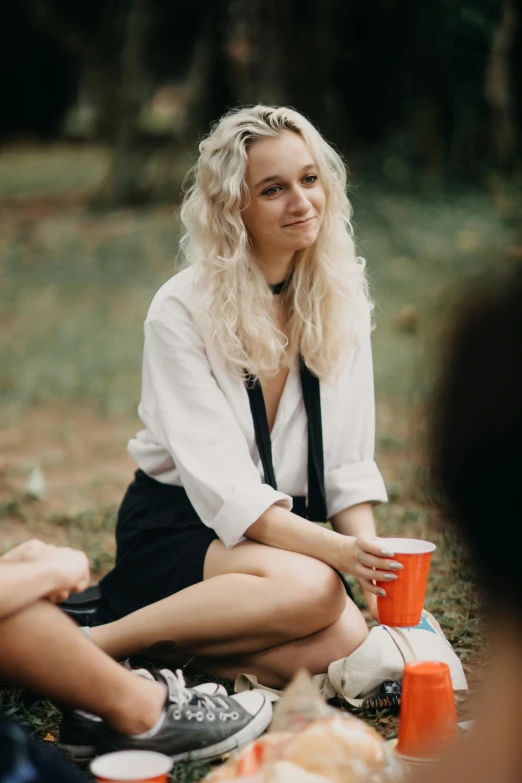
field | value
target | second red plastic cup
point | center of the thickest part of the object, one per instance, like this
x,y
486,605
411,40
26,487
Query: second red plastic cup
x,y
428,719
404,601
131,766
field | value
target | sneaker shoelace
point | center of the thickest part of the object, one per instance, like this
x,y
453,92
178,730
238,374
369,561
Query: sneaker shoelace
x,y
181,696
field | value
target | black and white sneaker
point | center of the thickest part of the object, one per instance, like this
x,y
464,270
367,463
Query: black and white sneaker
x,y
78,737
197,726
79,731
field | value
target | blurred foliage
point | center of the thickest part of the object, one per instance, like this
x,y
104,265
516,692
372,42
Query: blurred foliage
x,y
413,88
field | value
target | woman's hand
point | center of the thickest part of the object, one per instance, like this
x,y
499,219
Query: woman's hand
x,y
368,559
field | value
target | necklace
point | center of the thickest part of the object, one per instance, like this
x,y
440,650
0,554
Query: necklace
x,y
280,288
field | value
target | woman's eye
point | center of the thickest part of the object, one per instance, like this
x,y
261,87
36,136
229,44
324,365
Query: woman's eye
x,y
311,178
270,191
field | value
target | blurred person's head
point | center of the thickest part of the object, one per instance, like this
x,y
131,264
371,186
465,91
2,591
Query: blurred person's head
x,y
477,437
268,189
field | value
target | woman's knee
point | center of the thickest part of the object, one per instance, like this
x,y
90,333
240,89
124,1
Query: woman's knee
x,y
347,635
303,595
310,599
337,641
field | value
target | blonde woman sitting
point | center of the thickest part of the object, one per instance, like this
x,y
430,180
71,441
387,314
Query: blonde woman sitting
x,y
258,413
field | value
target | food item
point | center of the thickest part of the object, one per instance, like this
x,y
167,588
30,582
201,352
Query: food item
x,y
337,750
268,749
300,705
345,750
284,772
311,742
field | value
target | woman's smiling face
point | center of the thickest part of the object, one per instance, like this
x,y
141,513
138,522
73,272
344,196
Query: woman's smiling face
x,y
287,199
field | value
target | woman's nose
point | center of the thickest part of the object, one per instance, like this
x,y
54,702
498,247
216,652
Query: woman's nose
x,y
298,200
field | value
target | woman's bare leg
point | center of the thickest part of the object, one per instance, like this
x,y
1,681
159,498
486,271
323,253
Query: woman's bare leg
x,y
276,666
254,597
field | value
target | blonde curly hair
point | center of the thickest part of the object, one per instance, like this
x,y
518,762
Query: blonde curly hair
x,y
328,277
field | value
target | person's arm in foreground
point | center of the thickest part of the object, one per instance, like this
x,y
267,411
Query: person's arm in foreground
x,y
35,570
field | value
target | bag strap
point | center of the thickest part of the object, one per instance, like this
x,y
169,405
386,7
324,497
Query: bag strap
x,y
403,644
316,504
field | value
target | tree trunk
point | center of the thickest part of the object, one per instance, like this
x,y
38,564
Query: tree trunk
x,y
210,92
126,182
282,54
499,88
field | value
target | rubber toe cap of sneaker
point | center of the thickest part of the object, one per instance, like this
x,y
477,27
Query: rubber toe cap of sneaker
x,y
251,701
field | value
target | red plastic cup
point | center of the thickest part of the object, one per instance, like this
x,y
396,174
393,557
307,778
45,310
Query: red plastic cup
x,y
404,601
428,718
131,766
251,760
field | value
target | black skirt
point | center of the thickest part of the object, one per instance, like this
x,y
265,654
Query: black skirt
x,y
161,545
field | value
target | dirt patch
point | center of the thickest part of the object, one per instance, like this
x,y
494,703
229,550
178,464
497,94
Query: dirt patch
x,y
84,461
83,457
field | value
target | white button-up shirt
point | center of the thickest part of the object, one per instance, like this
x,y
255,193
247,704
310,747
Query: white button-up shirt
x,y
199,432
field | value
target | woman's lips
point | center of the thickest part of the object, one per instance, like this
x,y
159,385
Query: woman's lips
x,y
299,223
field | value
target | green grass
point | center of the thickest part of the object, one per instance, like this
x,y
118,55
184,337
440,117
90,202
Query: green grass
x,y
75,290
50,171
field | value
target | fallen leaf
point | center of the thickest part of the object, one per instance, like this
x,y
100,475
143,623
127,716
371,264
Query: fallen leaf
x,y
35,487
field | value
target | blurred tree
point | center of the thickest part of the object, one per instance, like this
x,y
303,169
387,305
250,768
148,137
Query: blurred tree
x,y
385,80
39,80
283,53
125,182
499,86
210,91
109,40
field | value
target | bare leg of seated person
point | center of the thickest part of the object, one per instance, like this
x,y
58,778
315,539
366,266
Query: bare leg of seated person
x,y
43,650
259,609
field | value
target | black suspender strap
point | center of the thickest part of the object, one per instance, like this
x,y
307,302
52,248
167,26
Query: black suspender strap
x,y
316,506
264,444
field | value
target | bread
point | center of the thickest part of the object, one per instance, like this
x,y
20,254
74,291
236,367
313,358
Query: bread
x,y
284,772
345,750
342,749
272,746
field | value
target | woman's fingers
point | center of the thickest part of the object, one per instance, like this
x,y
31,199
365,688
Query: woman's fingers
x,y
375,564
383,564
369,586
373,545
370,573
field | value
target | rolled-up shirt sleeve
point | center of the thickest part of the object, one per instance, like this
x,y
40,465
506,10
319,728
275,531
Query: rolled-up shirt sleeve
x,y
188,415
351,474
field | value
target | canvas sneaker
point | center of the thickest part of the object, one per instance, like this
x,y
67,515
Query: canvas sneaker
x,y
195,725
79,730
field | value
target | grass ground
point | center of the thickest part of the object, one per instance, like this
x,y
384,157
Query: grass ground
x,y
75,289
